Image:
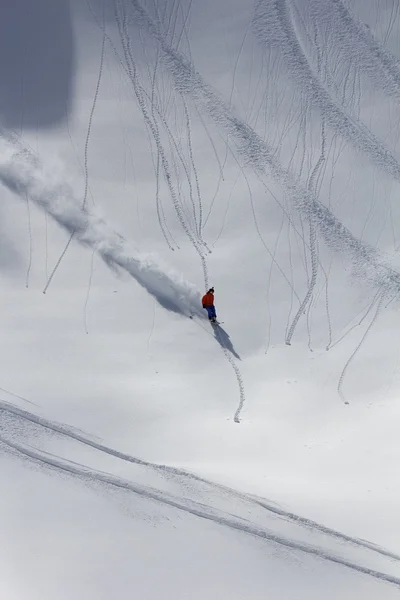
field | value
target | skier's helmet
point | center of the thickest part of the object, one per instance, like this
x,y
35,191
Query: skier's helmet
x,y
211,290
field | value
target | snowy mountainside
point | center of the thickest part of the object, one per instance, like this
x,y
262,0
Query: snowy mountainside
x,y
249,147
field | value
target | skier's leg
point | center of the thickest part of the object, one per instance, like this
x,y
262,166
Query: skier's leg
x,y
213,313
209,311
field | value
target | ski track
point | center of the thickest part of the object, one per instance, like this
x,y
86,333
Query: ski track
x,y
156,109
21,172
227,348
239,378
186,504
356,350
366,260
121,20
86,156
80,436
356,38
273,26
313,248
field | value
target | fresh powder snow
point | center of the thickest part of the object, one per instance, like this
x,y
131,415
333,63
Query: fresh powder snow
x,y
150,150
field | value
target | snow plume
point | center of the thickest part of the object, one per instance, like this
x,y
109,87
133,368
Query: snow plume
x,y
22,173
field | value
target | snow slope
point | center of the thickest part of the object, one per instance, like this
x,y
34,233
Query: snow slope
x,y
145,453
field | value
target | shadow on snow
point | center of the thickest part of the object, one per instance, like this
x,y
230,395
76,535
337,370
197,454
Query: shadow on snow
x,y
224,340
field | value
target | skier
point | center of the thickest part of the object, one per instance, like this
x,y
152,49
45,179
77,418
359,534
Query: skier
x,y
208,303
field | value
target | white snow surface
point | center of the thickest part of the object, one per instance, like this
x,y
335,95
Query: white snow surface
x,y
145,453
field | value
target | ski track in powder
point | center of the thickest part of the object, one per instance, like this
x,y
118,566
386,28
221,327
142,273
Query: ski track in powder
x,y
22,173
366,260
32,439
273,25
356,39
18,426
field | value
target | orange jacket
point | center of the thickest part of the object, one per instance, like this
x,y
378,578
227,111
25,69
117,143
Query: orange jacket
x,y
208,299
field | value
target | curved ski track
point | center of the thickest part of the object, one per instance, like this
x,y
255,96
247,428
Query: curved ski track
x,y
273,25
18,425
356,38
257,153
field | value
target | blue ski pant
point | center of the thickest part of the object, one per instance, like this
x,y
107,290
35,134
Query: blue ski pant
x,y
211,311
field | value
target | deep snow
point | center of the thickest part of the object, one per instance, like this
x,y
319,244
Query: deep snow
x,y
144,453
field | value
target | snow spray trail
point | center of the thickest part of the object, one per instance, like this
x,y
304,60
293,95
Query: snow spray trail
x,y
243,516
22,173
356,40
366,261
273,26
